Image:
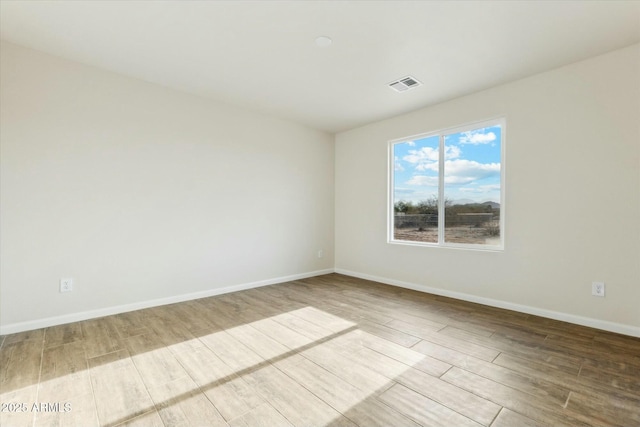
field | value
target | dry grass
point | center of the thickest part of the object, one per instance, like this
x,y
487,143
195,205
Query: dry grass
x,y
465,234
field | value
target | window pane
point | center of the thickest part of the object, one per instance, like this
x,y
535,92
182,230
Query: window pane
x,y
415,190
472,186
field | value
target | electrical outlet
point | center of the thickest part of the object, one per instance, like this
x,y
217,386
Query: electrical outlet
x,y
597,289
66,285
320,253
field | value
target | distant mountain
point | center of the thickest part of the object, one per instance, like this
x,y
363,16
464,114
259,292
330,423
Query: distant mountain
x,y
463,201
493,205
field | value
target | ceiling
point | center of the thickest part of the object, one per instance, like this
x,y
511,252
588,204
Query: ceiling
x,y
262,55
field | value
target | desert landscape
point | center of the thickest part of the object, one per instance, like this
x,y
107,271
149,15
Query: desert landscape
x,y
470,223
460,234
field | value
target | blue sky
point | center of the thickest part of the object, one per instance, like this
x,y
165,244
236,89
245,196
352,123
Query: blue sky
x,y
472,166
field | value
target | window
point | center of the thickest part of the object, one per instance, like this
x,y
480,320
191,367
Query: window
x,y
447,188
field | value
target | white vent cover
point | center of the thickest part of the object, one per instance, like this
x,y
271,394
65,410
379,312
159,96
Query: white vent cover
x,y
404,84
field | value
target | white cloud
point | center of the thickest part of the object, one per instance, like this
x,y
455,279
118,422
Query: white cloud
x,y
422,155
423,180
466,171
477,137
397,165
404,191
481,189
432,166
410,143
426,158
452,152
490,187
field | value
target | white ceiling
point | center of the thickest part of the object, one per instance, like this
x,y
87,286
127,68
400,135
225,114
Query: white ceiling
x,y
262,55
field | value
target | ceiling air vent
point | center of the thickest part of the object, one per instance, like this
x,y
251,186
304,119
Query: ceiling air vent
x,y
404,84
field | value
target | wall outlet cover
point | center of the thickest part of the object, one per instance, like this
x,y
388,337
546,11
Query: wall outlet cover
x,y
66,285
597,289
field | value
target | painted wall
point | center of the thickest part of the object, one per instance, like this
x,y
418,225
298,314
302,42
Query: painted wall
x,y
141,193
572,197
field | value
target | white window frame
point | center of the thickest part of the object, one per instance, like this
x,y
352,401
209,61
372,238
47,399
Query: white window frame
x,y
501,121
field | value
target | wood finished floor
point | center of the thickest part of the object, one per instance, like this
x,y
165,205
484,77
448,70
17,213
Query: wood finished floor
x,y
326,351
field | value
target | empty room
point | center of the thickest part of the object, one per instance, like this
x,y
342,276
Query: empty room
x,y
319,213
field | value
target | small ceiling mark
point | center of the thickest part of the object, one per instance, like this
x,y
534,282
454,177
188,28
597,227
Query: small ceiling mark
x,y
323,41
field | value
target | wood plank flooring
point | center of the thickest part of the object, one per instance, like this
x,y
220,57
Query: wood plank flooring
x,y
326,351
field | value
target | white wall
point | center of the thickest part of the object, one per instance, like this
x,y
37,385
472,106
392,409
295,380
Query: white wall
x,y
572,197
142,193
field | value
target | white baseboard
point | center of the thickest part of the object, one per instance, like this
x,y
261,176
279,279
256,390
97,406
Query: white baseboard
x,y
13,328
620,328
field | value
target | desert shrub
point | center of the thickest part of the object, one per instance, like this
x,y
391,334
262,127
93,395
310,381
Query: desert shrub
x,y
493,228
